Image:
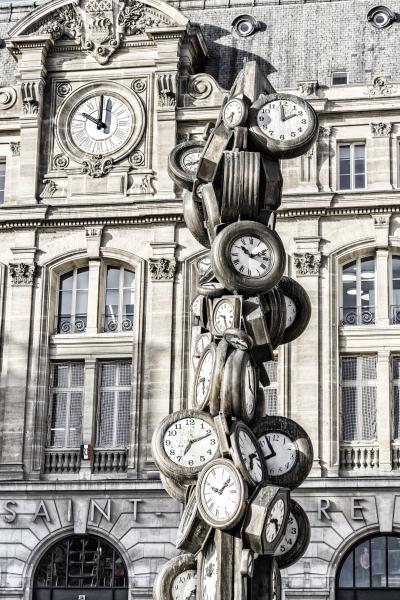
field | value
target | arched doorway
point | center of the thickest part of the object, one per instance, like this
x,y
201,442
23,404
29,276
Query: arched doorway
x,y
370,570
81,567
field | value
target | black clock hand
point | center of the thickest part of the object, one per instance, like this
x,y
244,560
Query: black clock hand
x,y
108,117
100,123
290,117
275,522
272,451
252,456
90,118
227,482
245,250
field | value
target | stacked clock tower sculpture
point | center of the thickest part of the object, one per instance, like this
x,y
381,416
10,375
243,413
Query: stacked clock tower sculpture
x,y
231,465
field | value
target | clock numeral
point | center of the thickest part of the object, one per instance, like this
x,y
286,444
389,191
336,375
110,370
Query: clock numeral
x,y
120,134
300,129
282,137
293,134
123,123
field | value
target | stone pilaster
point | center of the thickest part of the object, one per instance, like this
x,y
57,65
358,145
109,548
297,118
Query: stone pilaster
x,y
378,156
383,410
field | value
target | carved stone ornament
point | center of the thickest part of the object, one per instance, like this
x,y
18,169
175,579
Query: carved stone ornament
x,y
31,94
381,129
166,90
200,86
380,87
63,23
60,161
50,187
182,137
324,133
147,186
97,166
308,264
139,85
162,269
21,273
15,148
64,88
308,88
8,97
136,159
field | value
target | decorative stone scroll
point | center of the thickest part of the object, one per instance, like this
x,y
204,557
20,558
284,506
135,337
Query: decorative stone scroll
x,y
162,269
381,129
308,264
381,87
97,166
8,97
31,94
50,187
63,23
22,273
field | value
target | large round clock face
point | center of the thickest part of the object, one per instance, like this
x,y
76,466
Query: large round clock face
x,y
190,442
280,453
250,256
224,316
210,573
184,586
283,120
275,520
220,493
290,537
101,124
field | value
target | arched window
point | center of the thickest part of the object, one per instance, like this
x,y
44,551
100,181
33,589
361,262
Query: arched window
x,y
119,300
73,301
81,562
358,292
372,565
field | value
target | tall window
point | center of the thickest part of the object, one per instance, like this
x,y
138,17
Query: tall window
x,y
358,382
358,292
119,301
73,301
65,409
271,392
114,399
396,396
395,308
2,180
351,166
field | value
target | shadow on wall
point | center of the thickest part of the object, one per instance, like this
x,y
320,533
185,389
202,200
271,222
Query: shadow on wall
x,y
227,53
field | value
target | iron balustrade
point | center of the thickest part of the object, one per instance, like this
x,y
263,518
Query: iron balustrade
x,y
117,323
357,315
395,314
71,323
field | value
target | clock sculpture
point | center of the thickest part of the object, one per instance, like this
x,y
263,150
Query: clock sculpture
x,y
231,467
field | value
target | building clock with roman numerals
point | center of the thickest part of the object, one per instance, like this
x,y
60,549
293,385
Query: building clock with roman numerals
x,y
100,118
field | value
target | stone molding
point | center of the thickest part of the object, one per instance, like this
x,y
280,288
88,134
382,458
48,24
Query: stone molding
x,y
162,269
324,133
307,263
381,87
8,97
22,273
50,187
381,129
166,83
31,92
97,166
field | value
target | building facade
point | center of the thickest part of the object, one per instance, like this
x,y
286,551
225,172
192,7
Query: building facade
x,y
97,274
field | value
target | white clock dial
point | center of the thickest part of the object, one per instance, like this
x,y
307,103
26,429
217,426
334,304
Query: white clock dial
x,y
190,442
250,256
224,316
190,161
204,263
275,520
283,120
250,388
203,379
184,586
250,456
290,536
291,311
233,112
101,124
280,452
201,343
220,492
210,573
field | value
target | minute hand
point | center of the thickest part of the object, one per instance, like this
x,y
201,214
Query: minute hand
x,y
285,118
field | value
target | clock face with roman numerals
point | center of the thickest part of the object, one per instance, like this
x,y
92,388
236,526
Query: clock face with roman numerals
x,y
101,124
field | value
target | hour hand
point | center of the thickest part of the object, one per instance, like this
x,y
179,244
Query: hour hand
x,y
89,117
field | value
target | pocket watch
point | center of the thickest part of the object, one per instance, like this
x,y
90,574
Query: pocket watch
x,y
177,579
283,125
199,310
298,308
208,377
255,322
247,454
174,489
237,338
221,494
239,386
296,537
192,531
234,113
226,313
201,341
183,162
183,443
212,289
287,449
248,257
194,219
265,519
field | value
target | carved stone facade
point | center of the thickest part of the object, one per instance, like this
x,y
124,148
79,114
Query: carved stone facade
x,y
308,264
21,273
162,269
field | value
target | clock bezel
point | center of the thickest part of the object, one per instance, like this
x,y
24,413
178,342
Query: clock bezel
x,y
237,456
294,553
83,93
192,532
236,303
168,573
288,148
233,400
293,290
244,113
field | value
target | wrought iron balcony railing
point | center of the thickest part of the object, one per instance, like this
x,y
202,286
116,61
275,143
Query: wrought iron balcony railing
x,y
356,315
117,323
395,314
71,323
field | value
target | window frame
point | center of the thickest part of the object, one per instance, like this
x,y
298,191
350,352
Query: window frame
x,y
358,305
359,387
121,317
352,144
337,72
70,390
3,177
73,316
116,390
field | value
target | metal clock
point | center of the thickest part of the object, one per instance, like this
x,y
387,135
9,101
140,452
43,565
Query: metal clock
x,y
194,219
296,537
239,386
209,572
183,443
183,162
208,377
192,531
237,338
287,449
175,489
298,309
226,313
177,579
248,257
247,454
275,313
221,494
283,125
234,113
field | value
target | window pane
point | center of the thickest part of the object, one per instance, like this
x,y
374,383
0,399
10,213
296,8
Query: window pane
x,y
108,375
124,377
393,561
339,78
359,152
112,301
368,368
129,279
124,401
58,420
396,280
349,414
65,303
61,376
75,420
82,278
378,561
106,419
2,180
66,281
359,182
66,406
349,368
112,277
368,413
81,302
77,374
362,565
346,574
344,153
114,404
